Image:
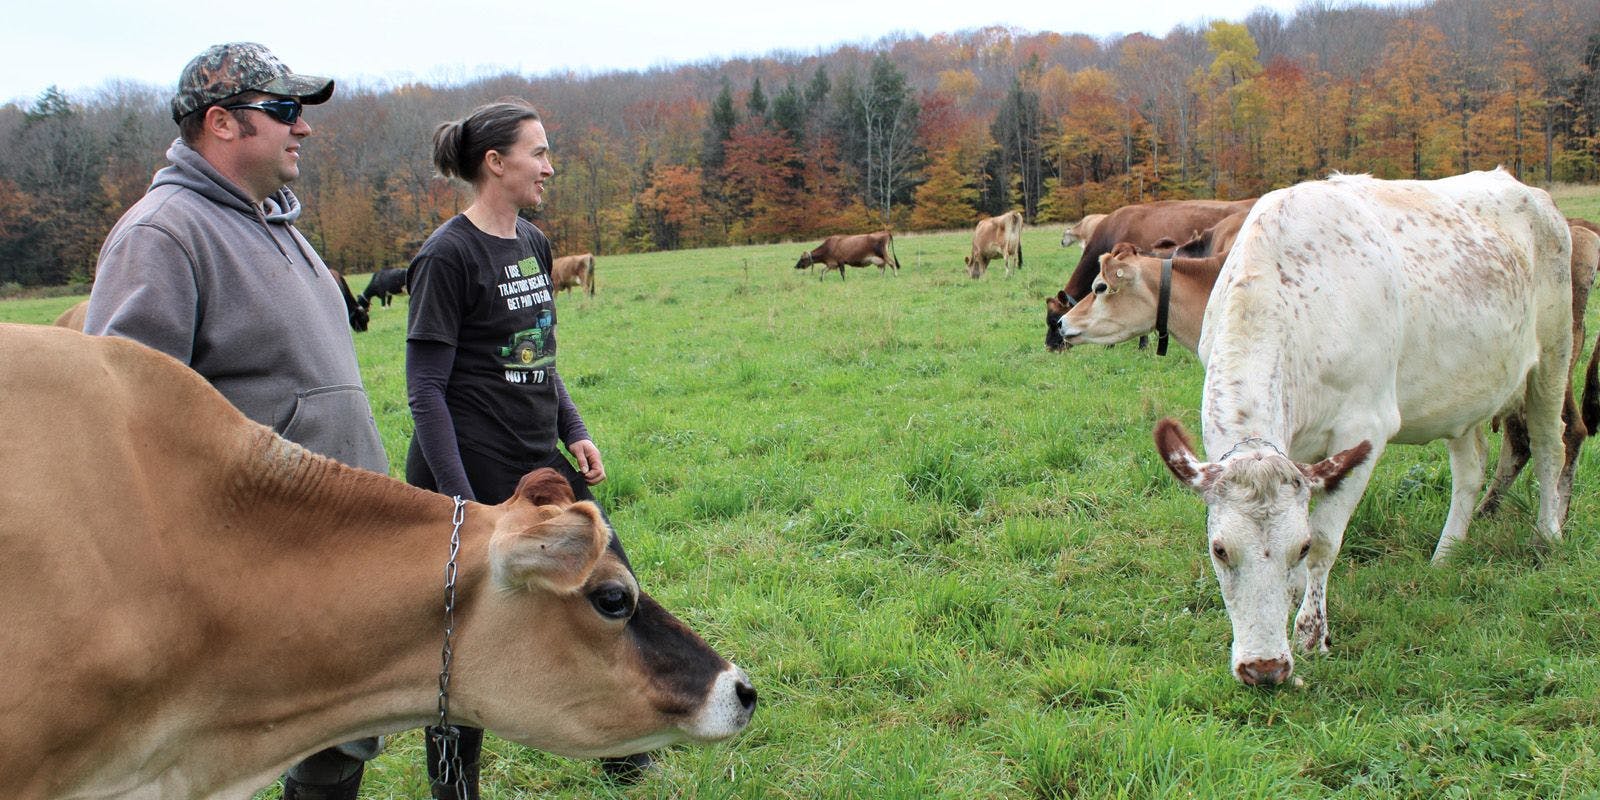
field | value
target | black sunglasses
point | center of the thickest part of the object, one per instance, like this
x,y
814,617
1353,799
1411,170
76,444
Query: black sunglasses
x,y
286,111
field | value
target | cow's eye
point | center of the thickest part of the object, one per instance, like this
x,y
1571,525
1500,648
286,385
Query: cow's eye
x,y
612,600
1219,552
1305,550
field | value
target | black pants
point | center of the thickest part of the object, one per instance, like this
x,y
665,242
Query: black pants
x,y
492,482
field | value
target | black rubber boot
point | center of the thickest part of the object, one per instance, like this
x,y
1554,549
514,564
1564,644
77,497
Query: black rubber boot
x,y
628,769
443,786
346,789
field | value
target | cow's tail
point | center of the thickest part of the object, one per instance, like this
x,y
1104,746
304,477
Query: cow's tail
x,y
1591,392
588,277
893,256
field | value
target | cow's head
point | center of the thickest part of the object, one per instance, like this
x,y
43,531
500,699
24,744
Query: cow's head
x,y
562,651
359,317
1259,534
975,267
1054,308
805,261
1121,306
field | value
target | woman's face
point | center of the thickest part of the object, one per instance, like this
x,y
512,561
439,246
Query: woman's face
x,y
527,164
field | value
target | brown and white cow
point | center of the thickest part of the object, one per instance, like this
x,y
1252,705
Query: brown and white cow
x,y
569,271
1081,230
190,603
996,237
859,250
1144,225
1432,308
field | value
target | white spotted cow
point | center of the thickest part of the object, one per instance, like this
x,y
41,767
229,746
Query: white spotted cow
x,y
1431,308
190,603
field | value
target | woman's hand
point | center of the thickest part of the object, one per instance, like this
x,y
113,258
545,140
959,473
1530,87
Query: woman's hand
x,y
589,463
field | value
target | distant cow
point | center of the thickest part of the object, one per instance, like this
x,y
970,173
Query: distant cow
x,y
355,309
73,317
190,602
385,283
1081,230
1323,343
996,237
570,271
860,250
1143,226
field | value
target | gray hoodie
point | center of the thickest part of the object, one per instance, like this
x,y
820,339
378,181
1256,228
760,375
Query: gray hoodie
x,y
198,271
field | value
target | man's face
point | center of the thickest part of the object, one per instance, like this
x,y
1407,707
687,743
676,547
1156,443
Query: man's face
x,y
268,150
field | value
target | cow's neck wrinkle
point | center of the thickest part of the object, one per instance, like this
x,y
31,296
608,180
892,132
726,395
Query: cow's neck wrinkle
x,y
352,618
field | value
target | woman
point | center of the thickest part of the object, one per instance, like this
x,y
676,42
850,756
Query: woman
x,y
487,401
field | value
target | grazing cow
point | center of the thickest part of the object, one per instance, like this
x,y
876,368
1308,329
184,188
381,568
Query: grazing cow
x,y
1081,230
385,284
356,309
1143,225
570,271
178,583
1125,303
1432,307
73,317
996,237
860,250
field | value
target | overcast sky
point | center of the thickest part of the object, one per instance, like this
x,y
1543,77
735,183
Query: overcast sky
x,y
80,45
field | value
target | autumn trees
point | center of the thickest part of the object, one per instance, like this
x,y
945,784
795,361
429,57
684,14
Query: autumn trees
x,y
909,133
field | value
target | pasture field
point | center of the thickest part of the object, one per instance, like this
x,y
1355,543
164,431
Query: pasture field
x,y
955,567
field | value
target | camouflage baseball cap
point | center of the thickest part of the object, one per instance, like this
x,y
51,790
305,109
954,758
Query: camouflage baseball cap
x,y
225,70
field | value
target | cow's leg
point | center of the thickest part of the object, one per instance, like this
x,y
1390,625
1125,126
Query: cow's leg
x,y
1572,436
1547,391
1467,459
1513,457
1328,520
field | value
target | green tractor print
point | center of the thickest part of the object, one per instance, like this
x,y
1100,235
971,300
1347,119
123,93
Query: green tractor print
x,y
529,349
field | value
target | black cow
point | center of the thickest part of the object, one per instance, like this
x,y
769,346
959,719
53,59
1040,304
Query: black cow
x,y
385,283
356,309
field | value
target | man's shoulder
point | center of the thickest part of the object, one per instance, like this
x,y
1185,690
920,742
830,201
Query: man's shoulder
x,y
172,208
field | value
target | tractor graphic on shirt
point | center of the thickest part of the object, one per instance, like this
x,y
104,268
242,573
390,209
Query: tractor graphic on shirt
x,y
531,348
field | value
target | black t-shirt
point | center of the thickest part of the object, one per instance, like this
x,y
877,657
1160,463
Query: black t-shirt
x,y
490,298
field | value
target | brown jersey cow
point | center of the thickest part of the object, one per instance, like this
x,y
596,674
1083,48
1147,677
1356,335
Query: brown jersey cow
x,y
191,603
570,271
1143,226
860,250
996,237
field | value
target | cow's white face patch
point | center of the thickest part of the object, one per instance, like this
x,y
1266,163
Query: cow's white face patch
x,y
1258,534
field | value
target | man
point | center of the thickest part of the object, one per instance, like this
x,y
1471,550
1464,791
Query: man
x,y
209,269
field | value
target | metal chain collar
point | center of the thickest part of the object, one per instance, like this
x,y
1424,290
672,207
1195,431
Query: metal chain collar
x,y
448,736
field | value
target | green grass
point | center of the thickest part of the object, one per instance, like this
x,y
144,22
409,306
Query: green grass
x,y
954,566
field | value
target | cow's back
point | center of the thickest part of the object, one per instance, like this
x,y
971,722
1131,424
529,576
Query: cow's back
x,y
1387,313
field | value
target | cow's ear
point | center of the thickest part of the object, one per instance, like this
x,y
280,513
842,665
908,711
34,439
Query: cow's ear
x,y
1326,475
554,551
1054,306
544,487
1178,454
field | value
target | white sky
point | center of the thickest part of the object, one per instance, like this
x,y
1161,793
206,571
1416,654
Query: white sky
x,y
80,45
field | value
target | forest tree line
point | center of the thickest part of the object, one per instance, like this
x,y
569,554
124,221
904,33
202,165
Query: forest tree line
x,y
911,133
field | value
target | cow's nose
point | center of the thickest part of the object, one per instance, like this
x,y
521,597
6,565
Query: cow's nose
x,y
1266,672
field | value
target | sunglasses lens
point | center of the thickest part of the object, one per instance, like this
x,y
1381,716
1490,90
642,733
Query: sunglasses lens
x,y
287,111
